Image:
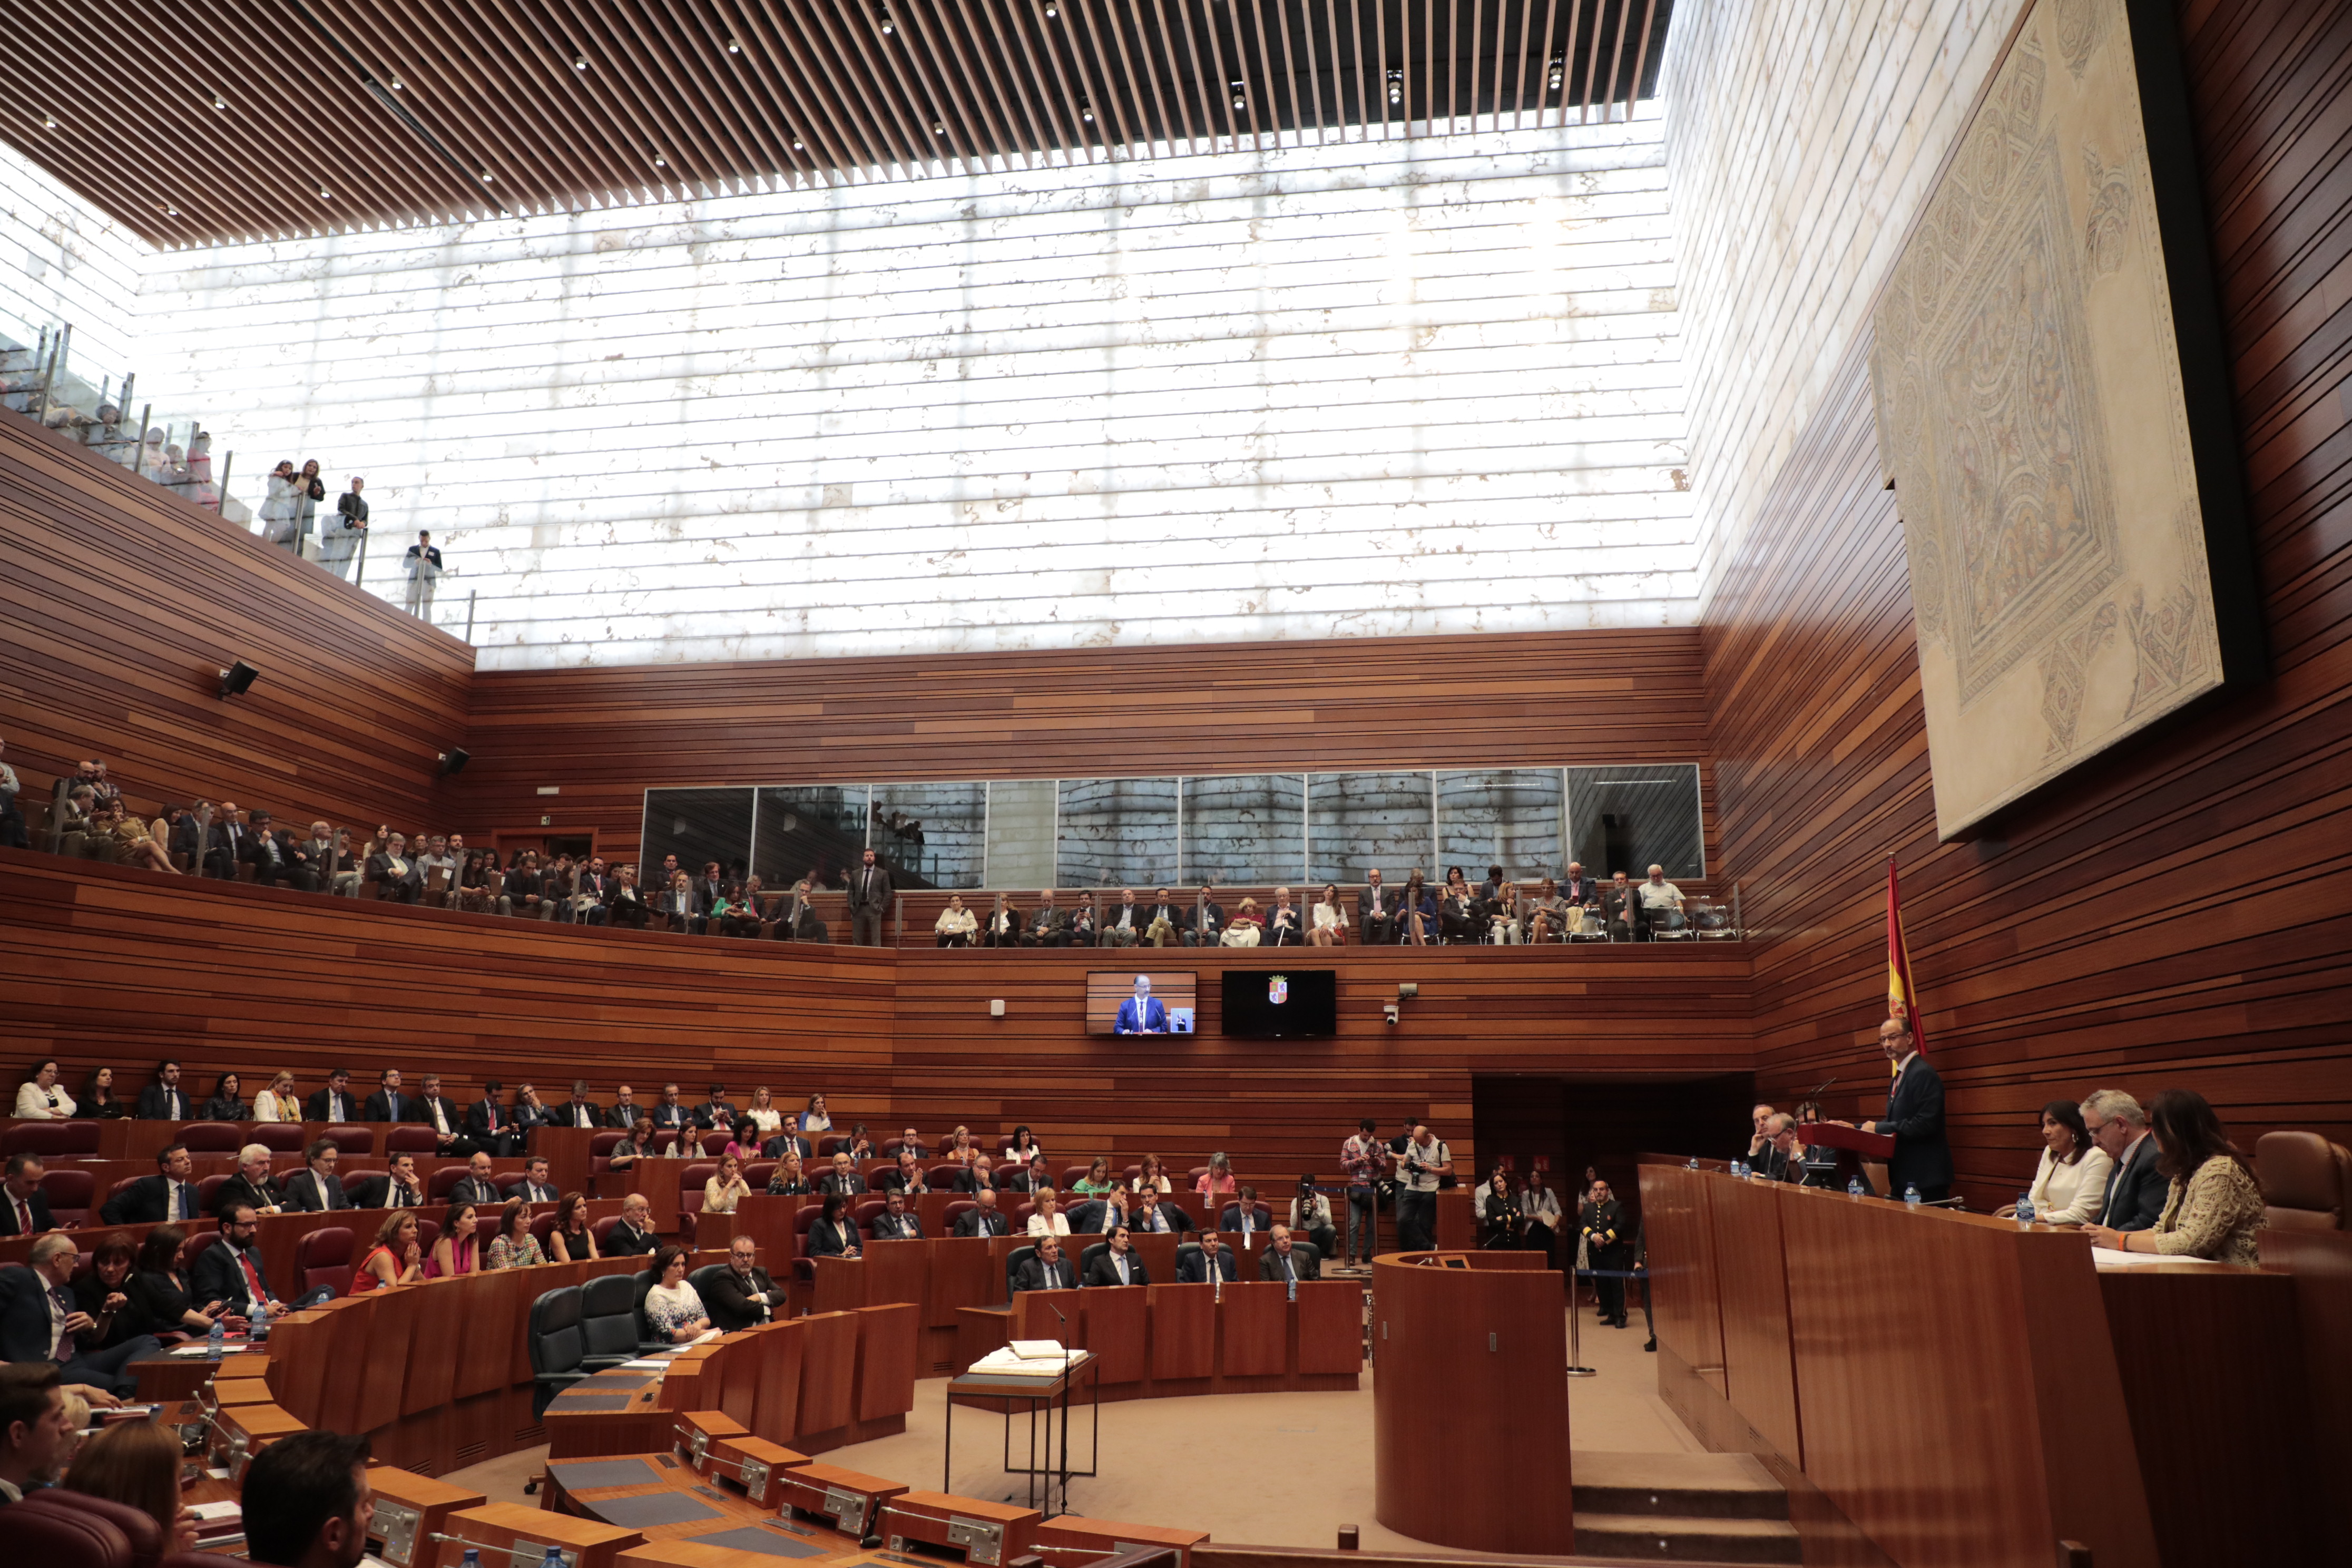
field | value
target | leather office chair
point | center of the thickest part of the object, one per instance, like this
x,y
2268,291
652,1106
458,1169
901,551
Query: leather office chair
x,y
121,1187
558,1344
43,1532
865,1212
443,1182
2306,1181
71,1196
207,1192
1073,1174
323,1257
714,1143
600,1150
640,1286
212,1137
1086,1259
608,1321
279,1137
954,1212
197,1241
702,1278
145,1537
832,1143
1184,1249
1013,1262
412,1140
541,1229
602,1229
1021,1213
202,1560
52,1140
351,1138
428,1231
366,1190
756,1174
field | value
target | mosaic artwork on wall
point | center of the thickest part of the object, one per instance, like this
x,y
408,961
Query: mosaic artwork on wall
x,y
2052,412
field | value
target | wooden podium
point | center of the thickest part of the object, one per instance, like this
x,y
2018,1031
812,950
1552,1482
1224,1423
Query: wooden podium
x,y
1856,1149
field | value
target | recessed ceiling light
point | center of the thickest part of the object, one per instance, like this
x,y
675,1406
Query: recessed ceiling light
x,y
580,62
48,122
734,48
398,85
1051,10
1085,111
219,102
659,161
887,24
325,195
487,176
938,127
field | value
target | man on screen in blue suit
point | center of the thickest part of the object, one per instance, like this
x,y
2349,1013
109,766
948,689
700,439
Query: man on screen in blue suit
x,y
1141,1014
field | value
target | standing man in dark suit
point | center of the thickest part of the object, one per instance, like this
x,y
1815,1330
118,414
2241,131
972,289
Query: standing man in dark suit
x,y
743,1297
336,1102
162,1100
1213,1260
23,1207
167,1197
1914,1117
489,1126
229,1270
580,1110
986,1219
2135,1188
1120,1265
388,1103
869,897
897,1223
1284,1265
317,1190
1049,1270
442,1114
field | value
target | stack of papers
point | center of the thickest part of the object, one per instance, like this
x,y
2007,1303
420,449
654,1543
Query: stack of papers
x,y
1009,1363
218,1521
658,1365
199,1347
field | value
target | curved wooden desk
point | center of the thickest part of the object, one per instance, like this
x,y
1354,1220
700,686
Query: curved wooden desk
x,y
1471,1399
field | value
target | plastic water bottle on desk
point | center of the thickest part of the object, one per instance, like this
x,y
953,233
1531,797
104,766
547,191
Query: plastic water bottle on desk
x,y
2025,1208
1911,1195
473,1557
1694,1164
213,1341
1854,1186
259,1332
554,1558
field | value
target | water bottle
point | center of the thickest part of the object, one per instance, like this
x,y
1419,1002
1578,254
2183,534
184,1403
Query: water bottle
x,y
2025,1208
1854,1186
473,1557
213,1341
1694,1164
259,1332
1911,1195
554,1558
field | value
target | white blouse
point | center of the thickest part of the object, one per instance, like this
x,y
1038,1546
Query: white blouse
x,y
957,922
2071,1194
39,1104
267,1107
1324,915
767,1118
1060,1225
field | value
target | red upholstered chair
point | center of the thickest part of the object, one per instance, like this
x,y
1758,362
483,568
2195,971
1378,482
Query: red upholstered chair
x,y
756,1174
212,1137
2306,1181
1073,1174
52,1140
1133,1174
542,1227
280,1137
832,1143
141,1534
1193,1177
412,1140
323,1257
71,1194
428,1231
865,1214
1021,1214
689,1195
890,1147
944,1176
207,1189
116,1191
351,1138
714,1143
600,1150
443,1182
202,1560
602,1229
956,1211
42,1529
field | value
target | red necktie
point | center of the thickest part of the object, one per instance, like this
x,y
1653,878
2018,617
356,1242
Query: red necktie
x,y
23,1218
253,1285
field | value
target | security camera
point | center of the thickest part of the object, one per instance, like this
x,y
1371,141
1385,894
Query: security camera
x,y
1388,1012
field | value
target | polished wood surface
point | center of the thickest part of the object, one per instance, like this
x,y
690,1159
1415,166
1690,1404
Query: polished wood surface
x,y
1753,1286
2074,946
122,603
2321,1265
1471,1399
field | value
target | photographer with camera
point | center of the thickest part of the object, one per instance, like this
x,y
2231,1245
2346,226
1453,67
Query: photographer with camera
x,y
1421,1169
1366,1161
1310,1217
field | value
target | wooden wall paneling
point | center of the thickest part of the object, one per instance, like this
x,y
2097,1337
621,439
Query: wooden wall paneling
x,y
2083,943
1752,1284
828,1378
122,603
1678,1222
2321,1263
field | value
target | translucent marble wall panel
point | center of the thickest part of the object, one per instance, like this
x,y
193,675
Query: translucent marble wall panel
x,y
1356,822
698,826
1500,816
809,829
1624,819
1370,388
930,835
62,260
1117,833
1249,828
1021,834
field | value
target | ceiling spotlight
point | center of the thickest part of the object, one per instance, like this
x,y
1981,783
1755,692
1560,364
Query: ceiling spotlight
x,y
580,62
1085,111
1558,74
1396,85
1241,96
796,143
1051,10
48,122
325,195
487,176
219,102
938,127
398,85
887,24
733,47
237,679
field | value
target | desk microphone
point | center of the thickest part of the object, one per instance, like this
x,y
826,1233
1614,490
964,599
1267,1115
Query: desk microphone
x,y
1823,1090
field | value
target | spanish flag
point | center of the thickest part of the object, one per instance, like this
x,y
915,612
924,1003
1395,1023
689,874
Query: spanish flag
x,y
1901,996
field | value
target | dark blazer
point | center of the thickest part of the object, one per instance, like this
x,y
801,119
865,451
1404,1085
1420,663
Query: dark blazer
x,y
379,1108
2136,1191
1191,916
1173,913
1269,1264
568,1113
784,1143
728,1298
711,1116
131,1321
869,888
315,1109
907,1227
829,1239
1103,1271
24,1314
39,1206
480,1193
1087,1218
1036,1274
478,1121
379,870
669,1115
451,1112
1914,1114
624,1116
146,1202
219,1109
237,1189
1230,1217
1048,919
301,1193
849,1184
983,1222
894,1180
153,1106
1392,905
1139,1216
627,1242
1192,1267
1021,1179
214,1277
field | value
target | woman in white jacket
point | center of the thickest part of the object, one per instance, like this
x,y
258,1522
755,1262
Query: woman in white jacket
x,y
2070,1185
39,1099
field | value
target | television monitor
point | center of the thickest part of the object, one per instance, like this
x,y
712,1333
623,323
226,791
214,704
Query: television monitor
x,y
1278,1004
1106,989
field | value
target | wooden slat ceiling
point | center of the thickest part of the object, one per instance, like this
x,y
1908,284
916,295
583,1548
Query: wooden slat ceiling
x,y
196,121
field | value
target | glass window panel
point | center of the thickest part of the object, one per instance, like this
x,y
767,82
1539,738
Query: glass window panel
x,y
1500,816
698,826
1117,832
1021,834
809,829
1627,820
930,835
1358,821
1246,828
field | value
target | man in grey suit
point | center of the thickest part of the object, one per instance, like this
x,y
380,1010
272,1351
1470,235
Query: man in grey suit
x,y
869,896
2135,1188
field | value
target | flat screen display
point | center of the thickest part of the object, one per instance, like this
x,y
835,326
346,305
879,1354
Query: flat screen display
x,y
1108,990
1275,1004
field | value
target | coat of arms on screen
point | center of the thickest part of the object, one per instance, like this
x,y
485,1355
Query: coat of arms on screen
x,y
1277,989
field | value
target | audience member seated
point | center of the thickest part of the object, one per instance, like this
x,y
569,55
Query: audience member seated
x,y
830,1234
230,1272
626,904
725,1189
1117,1265
1002,926
1662,902
1621,910
1032,1178
396,1258
1417,913
571,1239
1283,1264
2212,1205
455,1251
1097,1181
99,1100
980,1176
1545,915
1084,925
34,1327
983,1218
674,1311
906,1177
634,1236
102,1294
1047,1218
1246,929
1790,1155
307,1501
1460,916
1162,1218
130,843
162,1100
641,1143
742,1296
1327,922
1047,926
1048,1270
1213,1260
1123,923
277,1102
393,872
27,1210
896,1222
1242,1215
1160,920
843,1180
1204,922
334,1103
1217,1179
1151,1178
167,1195
2135,1189
1310,1217
2070,1183
39,1098
315,1189
227,1103
536,1188
514,1246
159,1287
137,1464
1285,927
35,1433
788,1178
490,1127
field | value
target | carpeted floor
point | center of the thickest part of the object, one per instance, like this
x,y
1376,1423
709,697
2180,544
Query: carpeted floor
x,y
1268,1469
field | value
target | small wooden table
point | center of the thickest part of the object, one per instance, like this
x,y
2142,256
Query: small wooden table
x,y
1039,1393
